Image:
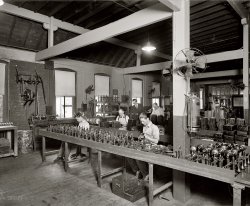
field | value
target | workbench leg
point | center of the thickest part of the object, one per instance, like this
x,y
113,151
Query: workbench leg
x,y
151,184
43,149
237,189
124,172
34,138
66,156
15,143
99,169
90,154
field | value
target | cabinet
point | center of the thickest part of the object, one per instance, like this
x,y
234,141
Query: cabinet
x,y
106,106
9,133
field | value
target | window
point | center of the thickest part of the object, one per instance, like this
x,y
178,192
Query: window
x,y
64,107
65,93
156,100
101,85
2,89
137,90
102,82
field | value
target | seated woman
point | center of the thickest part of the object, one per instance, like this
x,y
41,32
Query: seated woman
x,y
123,119
82,123
150,134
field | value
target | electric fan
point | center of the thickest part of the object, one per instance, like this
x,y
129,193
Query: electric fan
x,y
189,61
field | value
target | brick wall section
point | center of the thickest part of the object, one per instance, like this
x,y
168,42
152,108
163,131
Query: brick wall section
x,y
18,113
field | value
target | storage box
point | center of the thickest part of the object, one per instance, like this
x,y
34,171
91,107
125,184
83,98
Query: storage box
x,y
230,133
25,141
243,128
242,133
241,138
229,139
129,189
230,127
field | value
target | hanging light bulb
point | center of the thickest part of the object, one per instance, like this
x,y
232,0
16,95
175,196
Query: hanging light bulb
x,y
148,47
1,2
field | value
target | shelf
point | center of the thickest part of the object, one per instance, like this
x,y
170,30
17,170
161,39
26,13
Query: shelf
x,y
11,153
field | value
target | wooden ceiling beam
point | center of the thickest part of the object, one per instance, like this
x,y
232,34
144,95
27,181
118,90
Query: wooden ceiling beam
x,y
134,21
225,56
27,14
147,68
174,5
206,75
239,8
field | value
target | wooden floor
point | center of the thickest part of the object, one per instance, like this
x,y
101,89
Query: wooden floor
x,y
26,181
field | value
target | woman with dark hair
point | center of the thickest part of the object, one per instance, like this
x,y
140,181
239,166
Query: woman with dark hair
x,y
150,134
82,123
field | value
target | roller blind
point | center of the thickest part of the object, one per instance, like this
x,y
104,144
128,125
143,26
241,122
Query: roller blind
x,y
136,88
65,83
101,85
2,79
156,87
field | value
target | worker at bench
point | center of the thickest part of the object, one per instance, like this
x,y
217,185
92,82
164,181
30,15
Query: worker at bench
x,y
150,134
83,124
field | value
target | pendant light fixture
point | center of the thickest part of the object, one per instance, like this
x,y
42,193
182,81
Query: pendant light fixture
x,y
148,47
1,2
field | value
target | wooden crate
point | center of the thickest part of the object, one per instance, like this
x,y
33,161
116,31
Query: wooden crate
x,y
129,189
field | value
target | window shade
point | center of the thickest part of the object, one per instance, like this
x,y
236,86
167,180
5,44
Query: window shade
x,y
65,83
2,79
136,88
101,85
156,87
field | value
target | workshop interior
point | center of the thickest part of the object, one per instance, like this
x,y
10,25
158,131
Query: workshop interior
x,y
124,102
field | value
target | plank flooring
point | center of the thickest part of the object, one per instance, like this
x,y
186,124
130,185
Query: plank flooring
x,y
26,181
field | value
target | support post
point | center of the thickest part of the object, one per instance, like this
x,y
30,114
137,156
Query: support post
x,y
99,169
51,28
246,68
237,190
151,184
181,140
66,156
138,58
43,148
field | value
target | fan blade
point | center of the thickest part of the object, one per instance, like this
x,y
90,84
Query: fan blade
x,y
190,55
180,63
200,62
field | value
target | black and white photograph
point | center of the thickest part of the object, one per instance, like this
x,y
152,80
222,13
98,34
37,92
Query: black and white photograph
x,y
124,103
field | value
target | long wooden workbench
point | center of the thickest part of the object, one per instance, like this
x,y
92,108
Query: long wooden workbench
x,y
216,173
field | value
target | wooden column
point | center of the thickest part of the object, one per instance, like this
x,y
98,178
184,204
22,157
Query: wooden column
x,y
237,197
50,95
51,28
138,57
181,40
246,68
151,184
